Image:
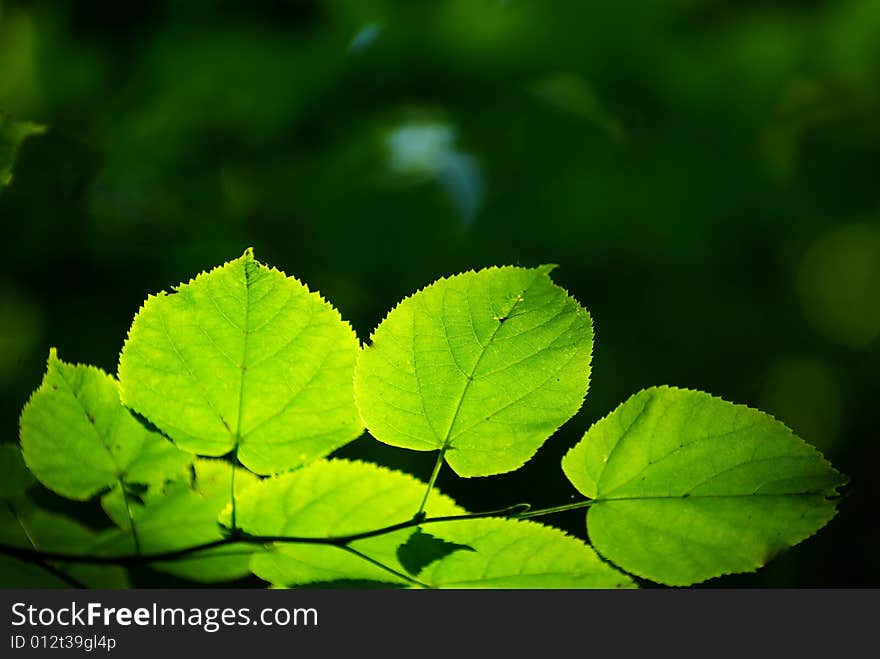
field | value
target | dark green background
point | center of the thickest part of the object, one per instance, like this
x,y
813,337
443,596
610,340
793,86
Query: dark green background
x,y
705,173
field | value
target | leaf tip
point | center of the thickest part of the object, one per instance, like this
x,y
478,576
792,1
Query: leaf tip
x,y
547,268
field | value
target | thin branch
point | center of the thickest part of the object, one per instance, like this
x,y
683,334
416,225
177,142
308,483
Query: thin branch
x,y
518,511
556,509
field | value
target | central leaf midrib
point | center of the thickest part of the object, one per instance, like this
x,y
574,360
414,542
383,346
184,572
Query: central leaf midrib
x,y
483,349
697,441
626,432
242,367
687,497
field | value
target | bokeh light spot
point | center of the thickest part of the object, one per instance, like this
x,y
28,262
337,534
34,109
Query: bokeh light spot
x,y
840,284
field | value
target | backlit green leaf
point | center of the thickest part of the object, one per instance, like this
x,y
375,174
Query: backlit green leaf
x,y
78,439
336,498
331,498
244,357
484,365
689,486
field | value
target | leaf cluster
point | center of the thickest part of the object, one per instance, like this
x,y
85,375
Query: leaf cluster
x,y
210,451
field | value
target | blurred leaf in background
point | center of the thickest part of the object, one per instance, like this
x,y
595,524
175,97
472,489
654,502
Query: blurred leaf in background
x,y
840,284
421,150
810,394
12,134
22,328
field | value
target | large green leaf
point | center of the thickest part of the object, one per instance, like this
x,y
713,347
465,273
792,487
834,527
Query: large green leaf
x,y
12,134
78,439
244,357
332,498
689,487
24,525
517,554
181,516
337,497
484,365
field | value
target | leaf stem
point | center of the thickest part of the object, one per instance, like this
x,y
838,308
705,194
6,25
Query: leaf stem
x,y
556,509
127,501
432,480
232,486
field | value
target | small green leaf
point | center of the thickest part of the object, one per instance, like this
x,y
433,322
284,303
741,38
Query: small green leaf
x,y
78,439
12,134
15,479
24,525
181,516
422,549
689,487
244,358
331,498
484,365
517,554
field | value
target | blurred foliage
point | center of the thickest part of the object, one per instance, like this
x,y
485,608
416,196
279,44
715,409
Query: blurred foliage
x,y
704,173
12,134
840,284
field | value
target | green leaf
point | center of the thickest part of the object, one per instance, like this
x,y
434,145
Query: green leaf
x,y
244,358
12,134
517,554
337,498
332,498
78,439
484,365
15,479
181,516
22,524
689,487
158,462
